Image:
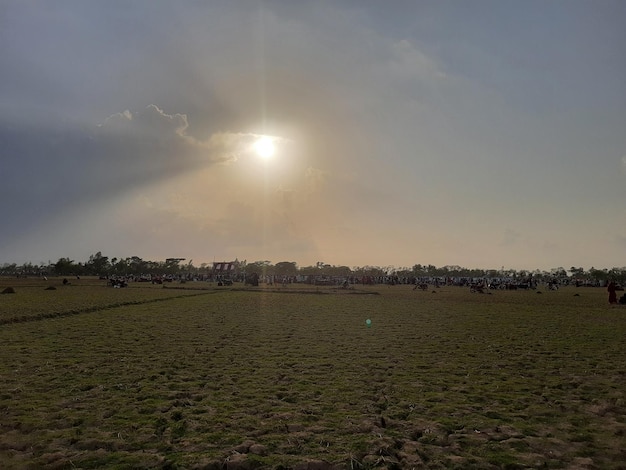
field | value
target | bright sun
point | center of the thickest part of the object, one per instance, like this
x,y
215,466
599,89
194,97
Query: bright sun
x,y
264,147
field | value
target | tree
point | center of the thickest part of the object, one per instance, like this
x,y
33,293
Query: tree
x,y
404,272
171,266
619,274
8,269
261,268
601,275
372,271
338,271
309,270
137,265
120,267
432,270
286,268
577,272
419,270
65,267
97,264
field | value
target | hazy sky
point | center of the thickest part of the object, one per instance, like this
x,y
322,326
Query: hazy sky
x,y
473,133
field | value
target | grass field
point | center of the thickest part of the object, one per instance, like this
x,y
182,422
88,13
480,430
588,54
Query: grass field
x,y
204,377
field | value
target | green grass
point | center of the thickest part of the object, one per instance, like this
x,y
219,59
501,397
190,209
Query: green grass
x,y
195,378
34,301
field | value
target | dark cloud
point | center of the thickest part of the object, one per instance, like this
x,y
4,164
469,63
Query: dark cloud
x,y
61,168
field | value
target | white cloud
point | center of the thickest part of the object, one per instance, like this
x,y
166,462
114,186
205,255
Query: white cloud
x,y
114,118
153,134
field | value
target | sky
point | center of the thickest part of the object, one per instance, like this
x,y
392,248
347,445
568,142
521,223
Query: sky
x,y
482,134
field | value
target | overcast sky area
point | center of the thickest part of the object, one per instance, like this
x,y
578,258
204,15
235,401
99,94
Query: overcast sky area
x,y
473,133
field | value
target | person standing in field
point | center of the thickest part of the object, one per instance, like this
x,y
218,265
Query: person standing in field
x,y
612,290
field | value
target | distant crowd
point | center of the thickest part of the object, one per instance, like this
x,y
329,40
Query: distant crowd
x,y
423,282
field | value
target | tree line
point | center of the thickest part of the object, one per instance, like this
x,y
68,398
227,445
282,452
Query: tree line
x,y
101,265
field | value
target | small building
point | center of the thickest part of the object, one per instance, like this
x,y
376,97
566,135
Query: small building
x,y
225,272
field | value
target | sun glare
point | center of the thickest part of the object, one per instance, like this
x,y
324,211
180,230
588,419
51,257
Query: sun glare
x,y
264,147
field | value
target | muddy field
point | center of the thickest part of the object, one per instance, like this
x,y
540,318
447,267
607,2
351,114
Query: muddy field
x,y
196,376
